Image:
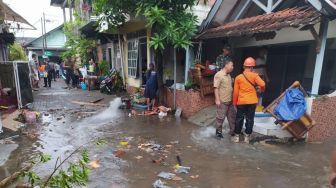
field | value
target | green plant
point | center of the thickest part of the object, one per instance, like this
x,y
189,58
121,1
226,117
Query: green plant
x,y
104,67
76,44
77,173
16,52
168,73
172,22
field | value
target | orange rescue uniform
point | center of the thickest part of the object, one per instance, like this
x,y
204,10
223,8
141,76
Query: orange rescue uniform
x,y
243,91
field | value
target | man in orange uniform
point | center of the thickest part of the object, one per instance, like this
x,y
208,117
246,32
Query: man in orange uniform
x,y
245,99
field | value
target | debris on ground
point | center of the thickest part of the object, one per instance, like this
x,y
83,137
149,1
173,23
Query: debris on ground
x,y
94,164
179,161
88,104
119,153
166,175
97,100
160,184
174,142
194,176
123,143
158,161
139,157
182,169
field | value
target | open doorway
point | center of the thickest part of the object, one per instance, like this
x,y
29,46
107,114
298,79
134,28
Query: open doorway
x,y
143,59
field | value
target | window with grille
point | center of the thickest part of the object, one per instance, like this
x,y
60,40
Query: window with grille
x,y
132,58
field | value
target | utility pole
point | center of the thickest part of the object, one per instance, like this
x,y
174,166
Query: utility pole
x,y
42,35
45,31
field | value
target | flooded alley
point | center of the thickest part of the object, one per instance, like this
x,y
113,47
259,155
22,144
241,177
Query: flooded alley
x,y
65,125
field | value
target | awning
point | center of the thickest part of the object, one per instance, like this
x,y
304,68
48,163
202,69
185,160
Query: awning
x,y
11,15
266,23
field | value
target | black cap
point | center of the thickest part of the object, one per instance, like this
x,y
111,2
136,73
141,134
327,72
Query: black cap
x,y
227,47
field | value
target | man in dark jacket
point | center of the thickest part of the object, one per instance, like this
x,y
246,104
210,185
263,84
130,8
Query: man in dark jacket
x,y
151,86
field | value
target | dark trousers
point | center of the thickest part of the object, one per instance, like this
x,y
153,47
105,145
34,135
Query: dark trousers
x,y
57,74
245,112
75,81
69,76
54,74
47,80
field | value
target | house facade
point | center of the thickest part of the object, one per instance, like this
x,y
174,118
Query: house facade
x,y
51,44
300,40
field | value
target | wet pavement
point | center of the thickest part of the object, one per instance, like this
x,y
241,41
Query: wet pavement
x,y
214,163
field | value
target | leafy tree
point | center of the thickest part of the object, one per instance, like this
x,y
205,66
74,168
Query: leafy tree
x,y
171,21
76,44
16,52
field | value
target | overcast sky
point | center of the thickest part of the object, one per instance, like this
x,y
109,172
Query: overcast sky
x,y
32,11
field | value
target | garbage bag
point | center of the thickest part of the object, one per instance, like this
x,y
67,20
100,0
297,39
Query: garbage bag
x,y
292,106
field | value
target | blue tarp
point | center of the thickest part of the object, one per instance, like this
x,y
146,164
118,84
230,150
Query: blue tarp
x,y
292,106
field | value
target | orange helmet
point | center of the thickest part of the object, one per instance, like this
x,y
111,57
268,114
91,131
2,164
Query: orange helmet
x,y
249,62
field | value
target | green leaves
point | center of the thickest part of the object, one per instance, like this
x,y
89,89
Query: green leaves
x,y
157,41
171,21
32,177
43,158
16,52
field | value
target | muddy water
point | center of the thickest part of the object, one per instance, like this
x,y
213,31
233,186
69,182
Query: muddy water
x,y
214,163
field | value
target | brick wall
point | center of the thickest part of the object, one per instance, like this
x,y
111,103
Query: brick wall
x,y
324,115
190,101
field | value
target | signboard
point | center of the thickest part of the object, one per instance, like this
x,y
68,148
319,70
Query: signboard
x,y
48,53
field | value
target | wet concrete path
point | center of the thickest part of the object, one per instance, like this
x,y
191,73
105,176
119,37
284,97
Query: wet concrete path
x,y
214,163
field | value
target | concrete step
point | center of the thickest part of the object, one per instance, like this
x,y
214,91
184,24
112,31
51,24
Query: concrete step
x,y
263,123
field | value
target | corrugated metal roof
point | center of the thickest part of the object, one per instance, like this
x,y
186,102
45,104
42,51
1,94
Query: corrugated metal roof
x,y
291,17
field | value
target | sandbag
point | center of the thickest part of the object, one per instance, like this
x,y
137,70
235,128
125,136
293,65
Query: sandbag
x,y
292,106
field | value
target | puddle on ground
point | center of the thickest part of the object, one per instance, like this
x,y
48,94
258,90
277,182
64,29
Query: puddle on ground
x,y
46,118
53,93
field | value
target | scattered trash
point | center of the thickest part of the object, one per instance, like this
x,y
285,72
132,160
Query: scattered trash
x,y
160,184
162,114
30,116
178,112
195,177
139,157
94,164
182,169
123,143
174,142
119,153
179,160
177,178
168,146
158,161
98,100
166,175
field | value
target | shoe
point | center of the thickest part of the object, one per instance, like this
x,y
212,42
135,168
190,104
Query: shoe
x,y
219,134
247,138
235,138
44,86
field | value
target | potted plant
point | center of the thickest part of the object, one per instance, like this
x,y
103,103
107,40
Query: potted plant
x,y
103,68
189,85
167,74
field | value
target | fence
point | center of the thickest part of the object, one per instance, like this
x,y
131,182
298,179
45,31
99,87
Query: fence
x,y
16,75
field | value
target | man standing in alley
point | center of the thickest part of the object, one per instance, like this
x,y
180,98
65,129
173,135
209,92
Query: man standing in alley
x,y
69,68
245,98
34,74
223,98
261,69
222,57
151,87
49,72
